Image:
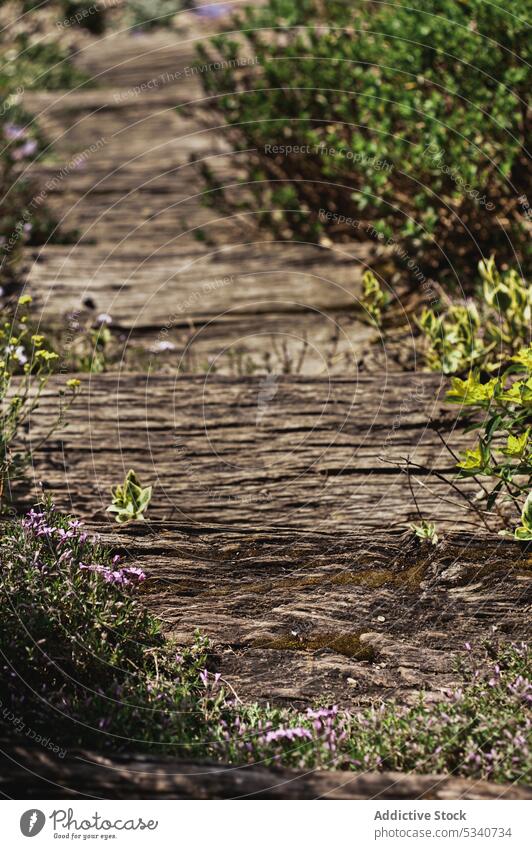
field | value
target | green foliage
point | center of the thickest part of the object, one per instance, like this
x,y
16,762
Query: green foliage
x,y
88,14
26,364
501,412
524,531
130,500
374,299
98,341
425,531
412,118
153,13
27,62
484,332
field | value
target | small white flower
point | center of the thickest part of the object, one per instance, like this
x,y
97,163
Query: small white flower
x,y
103,318
162,345
17,353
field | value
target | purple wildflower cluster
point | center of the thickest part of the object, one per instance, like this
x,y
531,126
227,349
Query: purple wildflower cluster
x,y
37,524
68,542
210,683
124,575
23,147
324,730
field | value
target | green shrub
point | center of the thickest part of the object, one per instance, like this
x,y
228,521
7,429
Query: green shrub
x,y
410,118
153,13
500,409
26,63
88,14
484,332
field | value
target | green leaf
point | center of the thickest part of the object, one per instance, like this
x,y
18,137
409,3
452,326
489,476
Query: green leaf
x,y
516,445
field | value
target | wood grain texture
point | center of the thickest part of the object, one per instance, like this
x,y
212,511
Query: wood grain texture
x,y
351,618
321,454
33,774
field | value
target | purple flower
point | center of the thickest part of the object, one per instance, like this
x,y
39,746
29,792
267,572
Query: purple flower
x,y
12,132
120,577
135,572
213,11
27,149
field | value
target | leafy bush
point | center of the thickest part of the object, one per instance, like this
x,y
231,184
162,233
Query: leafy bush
x,y
412,119
88,14
501,409
26,364
484,332
153,13
83,660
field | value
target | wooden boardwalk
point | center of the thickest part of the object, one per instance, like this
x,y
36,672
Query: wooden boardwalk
x,y
135,200
280,504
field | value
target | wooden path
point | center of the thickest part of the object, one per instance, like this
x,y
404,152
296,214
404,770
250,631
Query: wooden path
x,y
135,200
278,520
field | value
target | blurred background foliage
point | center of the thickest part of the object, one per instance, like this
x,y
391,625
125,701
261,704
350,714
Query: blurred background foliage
x,y
427,110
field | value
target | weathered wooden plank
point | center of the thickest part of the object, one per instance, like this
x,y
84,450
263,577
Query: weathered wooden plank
x,y
351,618
33,774
311,453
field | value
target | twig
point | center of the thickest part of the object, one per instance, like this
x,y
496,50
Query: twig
x,y
453,485
412,490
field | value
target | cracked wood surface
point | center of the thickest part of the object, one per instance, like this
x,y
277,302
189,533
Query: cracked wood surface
x,y
351,618
270,527
310,453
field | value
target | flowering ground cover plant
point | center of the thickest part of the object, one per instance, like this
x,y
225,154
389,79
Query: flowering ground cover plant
x,y
80,653
86,663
